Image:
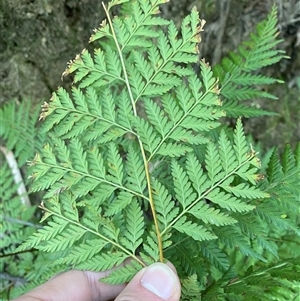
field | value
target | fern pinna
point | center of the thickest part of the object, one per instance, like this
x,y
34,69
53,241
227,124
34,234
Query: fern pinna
x,y
137,165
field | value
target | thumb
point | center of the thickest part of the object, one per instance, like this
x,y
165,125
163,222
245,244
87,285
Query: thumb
x,y
157,282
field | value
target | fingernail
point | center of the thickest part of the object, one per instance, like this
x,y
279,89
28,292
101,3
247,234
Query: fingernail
x,y
160,280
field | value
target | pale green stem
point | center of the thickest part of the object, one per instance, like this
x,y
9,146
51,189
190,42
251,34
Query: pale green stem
x,y
159,240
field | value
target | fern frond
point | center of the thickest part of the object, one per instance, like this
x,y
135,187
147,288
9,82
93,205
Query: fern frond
x,y
150,246
164,204
237,71
82,253
137,166
122,200
115,166
215,255
193,230
191,290
102,262
63,231
210,215
17,130
235,109
282,185
196,174
123,274
232,238
267,283
70,120
134,224
185,255
53,228
182,186
229,202
135,179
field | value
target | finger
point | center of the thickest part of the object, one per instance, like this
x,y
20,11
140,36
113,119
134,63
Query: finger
x,y
158,282
74,286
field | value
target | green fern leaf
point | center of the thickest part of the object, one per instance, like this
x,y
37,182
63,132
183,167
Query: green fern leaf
x,y
227,155
195,172
212,164
135,179
190,289
172,149
185,256
82,252
235,109
227,201
245,191
147,134
122,275
63,241
182,186
214,254
137,166
231,237
236,71
17,130
157,118
150,246
210,215
115,165
134,225
240,145
193,230
102,262
53,228
164,204
123,199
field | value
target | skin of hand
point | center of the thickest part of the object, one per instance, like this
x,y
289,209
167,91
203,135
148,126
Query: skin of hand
x,y
157,282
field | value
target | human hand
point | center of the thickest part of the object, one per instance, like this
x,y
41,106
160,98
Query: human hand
x,y
157,282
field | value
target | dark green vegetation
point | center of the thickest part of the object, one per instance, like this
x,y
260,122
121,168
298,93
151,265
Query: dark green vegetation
x,y
140,146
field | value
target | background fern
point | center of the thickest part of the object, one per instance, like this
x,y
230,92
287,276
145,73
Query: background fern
x,y
137,164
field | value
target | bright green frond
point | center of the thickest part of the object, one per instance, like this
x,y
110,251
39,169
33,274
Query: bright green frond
x,y
245,191
210,215
134,223
150,246
232,238
17,130
227,155
182,186
241,147
238,72
123,274
103,261
135,179
228,201
115,165
137,165
215,255
196,174
156,116
212,163
48,232
197,232
235,109
83,252
147,134
121,201
164,204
